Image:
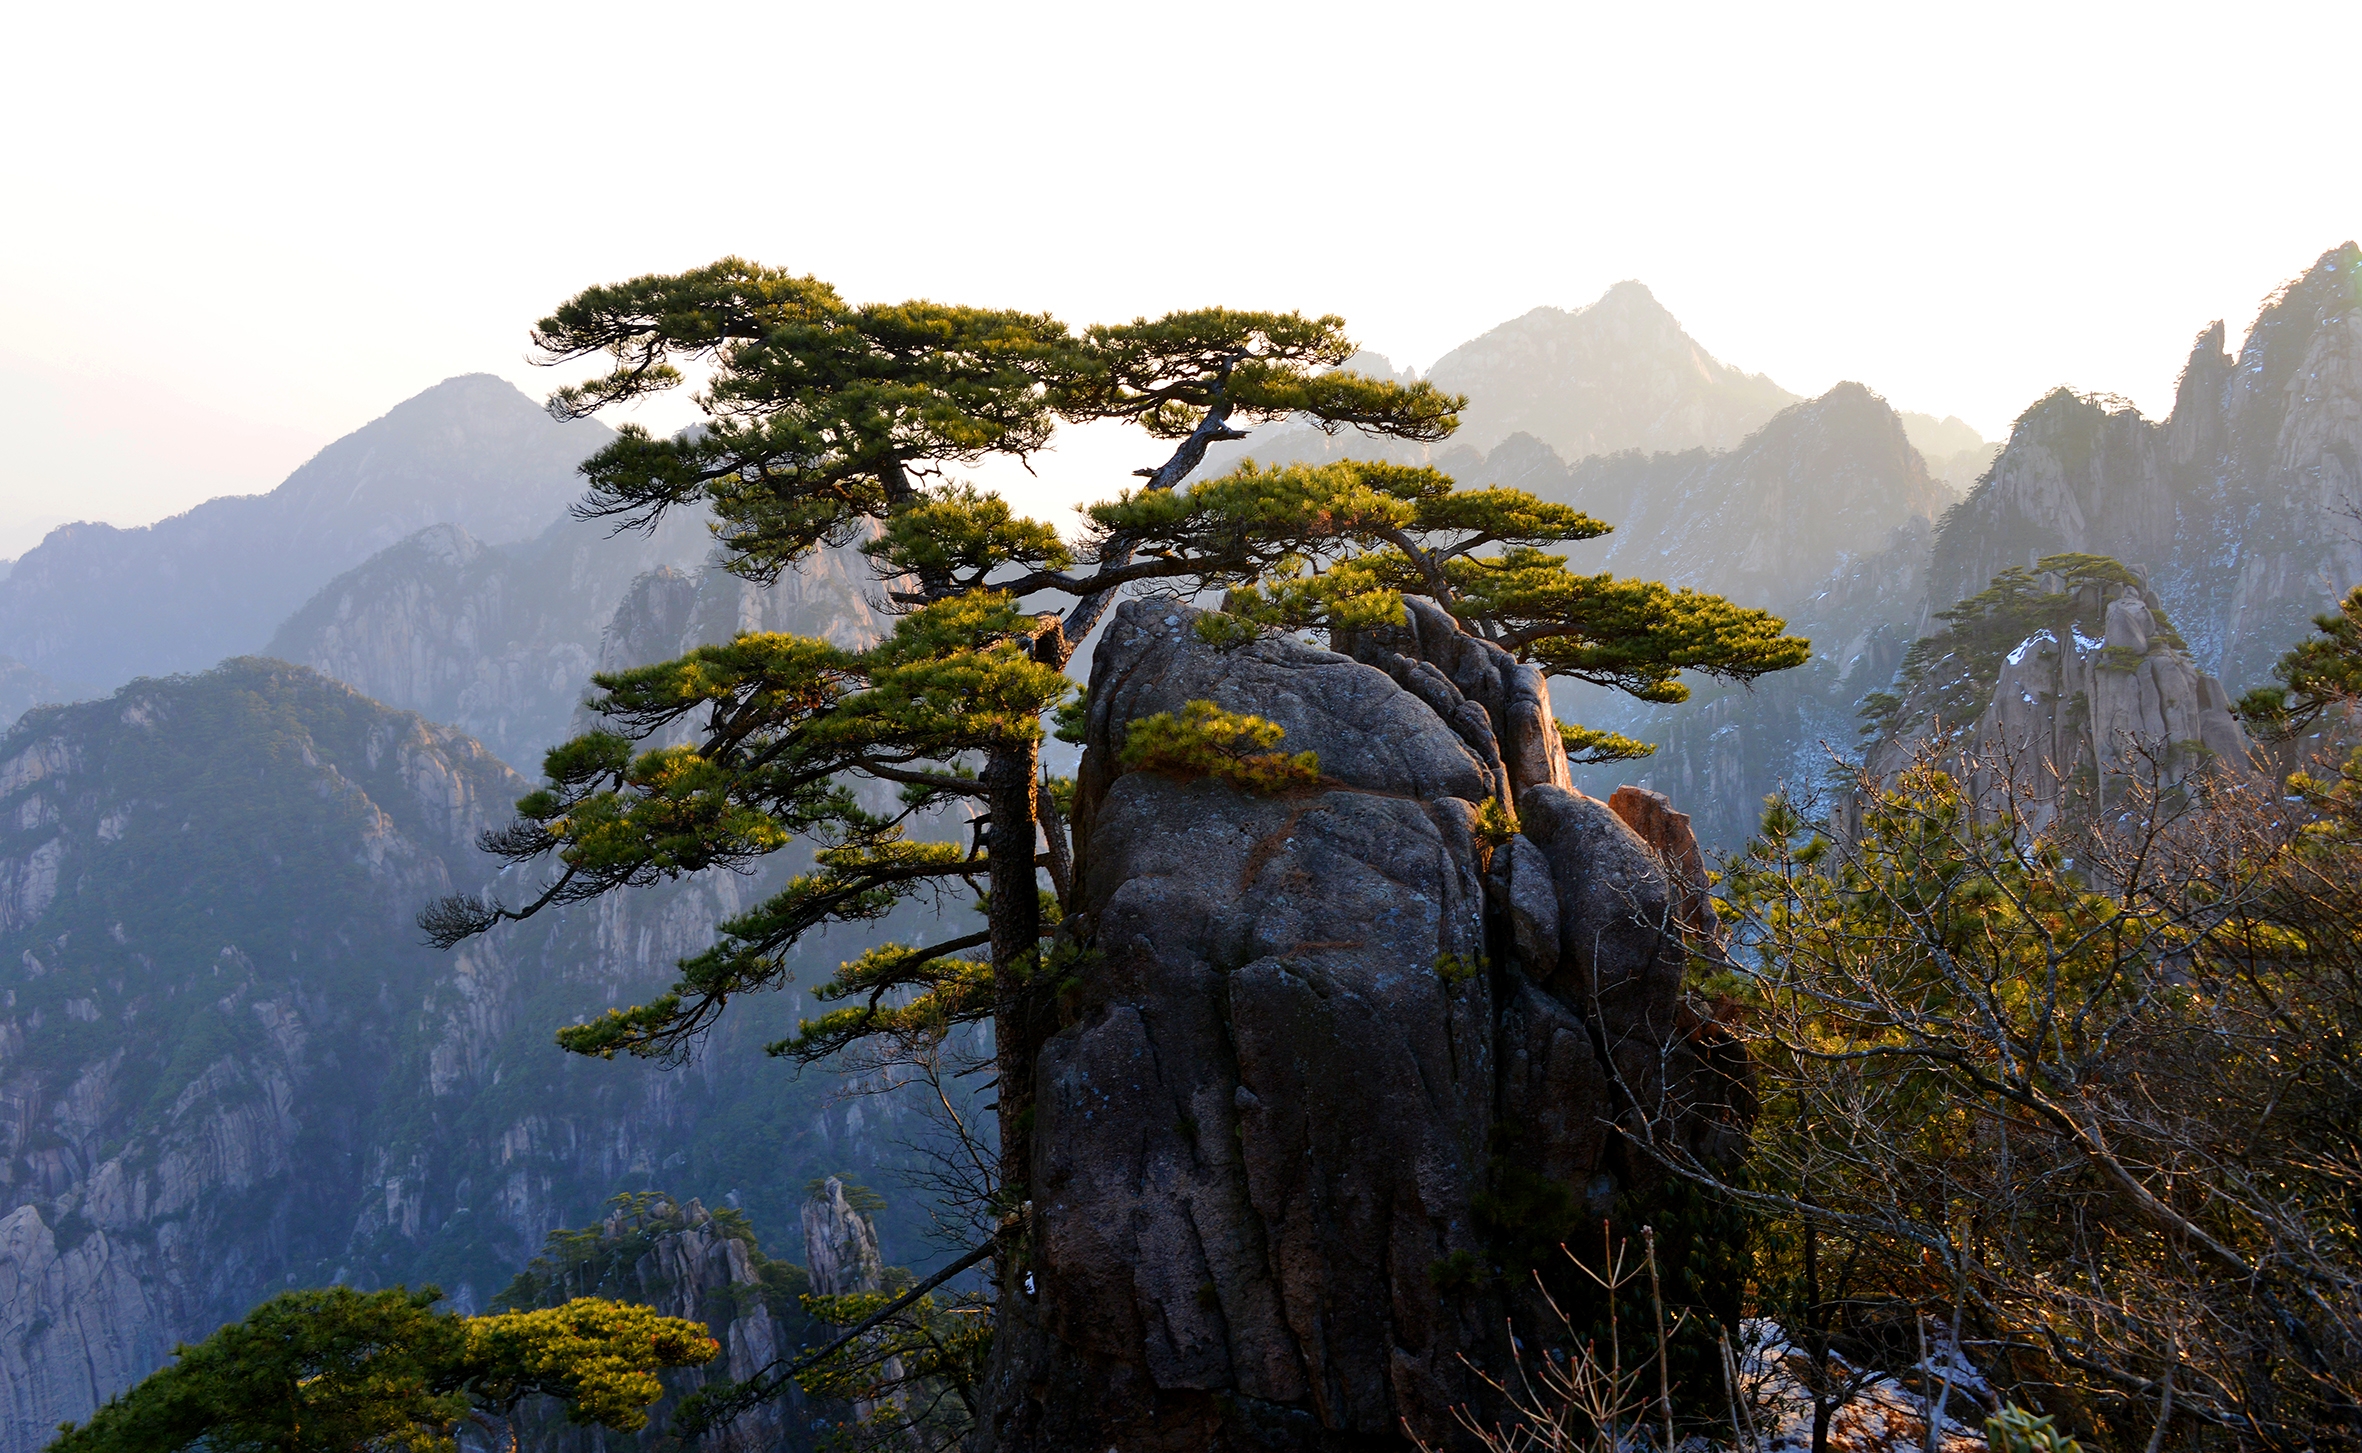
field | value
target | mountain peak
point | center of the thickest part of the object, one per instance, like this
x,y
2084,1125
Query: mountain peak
x,y
473,452
1618,374
1632,296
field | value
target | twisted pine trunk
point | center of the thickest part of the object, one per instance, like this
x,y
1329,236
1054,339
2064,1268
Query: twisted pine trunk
x,y
1015,919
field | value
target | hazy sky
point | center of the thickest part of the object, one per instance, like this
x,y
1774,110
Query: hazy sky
x,y
236,232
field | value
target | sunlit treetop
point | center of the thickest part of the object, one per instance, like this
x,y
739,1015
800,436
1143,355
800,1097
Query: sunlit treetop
x,y
333,1368
822,415
1338,545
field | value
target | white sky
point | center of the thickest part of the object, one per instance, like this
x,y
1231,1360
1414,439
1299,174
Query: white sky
x,y
233,233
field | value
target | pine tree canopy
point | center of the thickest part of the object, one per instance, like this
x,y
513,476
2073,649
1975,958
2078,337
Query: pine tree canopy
x,y
334,1369
2322,671
829,424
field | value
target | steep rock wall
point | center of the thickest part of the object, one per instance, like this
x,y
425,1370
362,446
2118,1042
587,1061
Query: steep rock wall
x,y
1269,1111
500,642
2239,504
2072,712
228,1066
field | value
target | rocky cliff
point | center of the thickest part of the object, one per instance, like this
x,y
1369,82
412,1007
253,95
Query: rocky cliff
x,y
1265,1132
215,581
501,641
202,884
684,1261
497,641
2240,504
2060,690
227,1065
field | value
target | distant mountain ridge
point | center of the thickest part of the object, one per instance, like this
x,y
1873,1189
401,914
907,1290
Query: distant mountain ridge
x,y
1824,516
497,640
1821,482
98,604
1618,374
2238,513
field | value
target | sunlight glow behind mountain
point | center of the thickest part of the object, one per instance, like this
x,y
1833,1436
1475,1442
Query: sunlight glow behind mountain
x,y
243,232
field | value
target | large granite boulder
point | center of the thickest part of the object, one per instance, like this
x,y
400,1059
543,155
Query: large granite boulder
x,y
1282,1080
2070,713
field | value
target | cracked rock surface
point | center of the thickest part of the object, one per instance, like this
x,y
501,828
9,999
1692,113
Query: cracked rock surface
x,y
1273,1100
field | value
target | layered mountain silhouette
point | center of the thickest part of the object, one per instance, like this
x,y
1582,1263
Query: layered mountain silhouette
x,y
1619,374
96,604
2238,512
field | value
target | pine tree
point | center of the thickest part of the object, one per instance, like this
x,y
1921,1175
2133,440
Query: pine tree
x,y
831,424
333,1369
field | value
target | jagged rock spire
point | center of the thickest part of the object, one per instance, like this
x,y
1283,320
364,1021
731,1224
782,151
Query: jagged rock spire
x,y
840,1245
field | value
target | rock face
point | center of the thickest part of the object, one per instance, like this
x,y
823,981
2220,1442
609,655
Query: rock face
x,y
228,1066
2076,713
2238,504
498,642
1265,1121
842,1258
215,581
501,641
840,1245
687,1263
170,1102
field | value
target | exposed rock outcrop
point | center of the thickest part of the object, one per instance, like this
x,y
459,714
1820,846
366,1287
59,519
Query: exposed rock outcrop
x,y
496,641
228,1066
1275,1099
840,1245
2072,713
683,1262
842,1258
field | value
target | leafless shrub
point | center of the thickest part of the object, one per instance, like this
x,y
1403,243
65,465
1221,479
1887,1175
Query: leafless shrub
x,y
2092,1076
